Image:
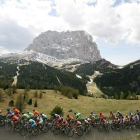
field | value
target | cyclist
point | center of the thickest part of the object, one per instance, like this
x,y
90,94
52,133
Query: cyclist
x,y
131,118
126,119
16,111
31,115
77,124
31,123
44,117
35,112
86,123
102,119
15,119
25,117
78,115
119,114
9,112
63,123
69,119
137,117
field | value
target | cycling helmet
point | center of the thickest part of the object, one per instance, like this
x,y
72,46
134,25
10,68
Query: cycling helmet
x,y
33,109
14,108
68,115
8,109
0,111
75,112
22,113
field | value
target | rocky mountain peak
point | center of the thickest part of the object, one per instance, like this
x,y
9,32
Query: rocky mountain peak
x,y
66,45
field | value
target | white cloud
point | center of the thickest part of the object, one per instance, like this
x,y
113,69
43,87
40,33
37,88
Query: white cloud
x,y
3,50
102,20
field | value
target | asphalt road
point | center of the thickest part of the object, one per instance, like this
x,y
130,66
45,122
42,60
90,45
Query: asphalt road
x,y
94,135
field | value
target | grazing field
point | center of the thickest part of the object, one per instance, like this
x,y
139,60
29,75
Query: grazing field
x,y
84,104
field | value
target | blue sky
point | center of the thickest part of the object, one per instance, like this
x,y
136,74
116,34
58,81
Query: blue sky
x,y
113,24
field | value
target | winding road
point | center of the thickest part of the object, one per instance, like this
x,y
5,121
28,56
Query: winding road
x,y
94,135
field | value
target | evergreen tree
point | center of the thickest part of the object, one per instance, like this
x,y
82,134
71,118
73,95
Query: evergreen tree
x,y
30,102
116,96
57,110
20,105
35,104
122,95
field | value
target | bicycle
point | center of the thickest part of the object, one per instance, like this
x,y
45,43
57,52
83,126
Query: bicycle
x,y
25,129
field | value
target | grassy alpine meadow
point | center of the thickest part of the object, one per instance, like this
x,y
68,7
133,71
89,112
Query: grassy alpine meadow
x,y
83,104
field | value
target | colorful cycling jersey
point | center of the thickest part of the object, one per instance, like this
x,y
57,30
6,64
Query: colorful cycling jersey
x,y
31,121
10,112
16,111
78,115
78,122
58,118
120,114
36,113
69,118
31,114
137,117
86,122
44,116
64,122
15,118
25,116
92,116
39,118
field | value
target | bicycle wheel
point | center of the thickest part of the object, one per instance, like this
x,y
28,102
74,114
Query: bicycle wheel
x,y
8,126
52,128
100,128
56,131
70,133
113,127
107,127
23,131
18,126
35,131
2,122
89,129
45,128
80,131
66,130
